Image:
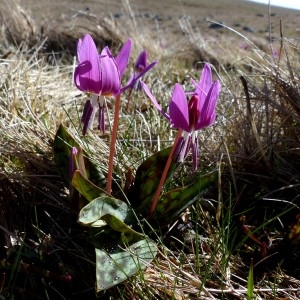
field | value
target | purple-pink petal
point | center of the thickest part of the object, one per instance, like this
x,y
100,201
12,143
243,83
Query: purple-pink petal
x,y
145,70
122,58
179,114
111,82
141,62
136,77
87,75
208,114
204,85
205,80
154,101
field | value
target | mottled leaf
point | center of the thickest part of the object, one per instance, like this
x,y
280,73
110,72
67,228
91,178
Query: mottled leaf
x,y
120,250
171,204
148,175
85,187
114,265
94,213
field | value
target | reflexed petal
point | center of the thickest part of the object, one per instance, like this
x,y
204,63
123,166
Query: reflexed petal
x,y
130,84
110,74
178,109
136,77
122,58
208,114
154,101
145,70
87,75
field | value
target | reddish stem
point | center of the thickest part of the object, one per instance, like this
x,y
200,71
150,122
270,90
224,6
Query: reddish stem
x,y
113,144
164,174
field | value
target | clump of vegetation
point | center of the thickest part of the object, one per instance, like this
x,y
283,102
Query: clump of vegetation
x,y
236,237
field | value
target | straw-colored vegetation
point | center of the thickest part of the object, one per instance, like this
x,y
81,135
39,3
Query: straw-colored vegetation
x,y
208,252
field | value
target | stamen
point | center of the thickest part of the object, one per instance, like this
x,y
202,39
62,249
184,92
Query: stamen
x,y
85,110
195,152
101,119
86,116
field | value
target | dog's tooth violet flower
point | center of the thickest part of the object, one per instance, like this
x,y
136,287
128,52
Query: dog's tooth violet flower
x,y
190,116
98,75
141,67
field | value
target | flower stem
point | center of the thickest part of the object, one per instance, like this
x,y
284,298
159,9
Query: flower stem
x,y
164,174
113,144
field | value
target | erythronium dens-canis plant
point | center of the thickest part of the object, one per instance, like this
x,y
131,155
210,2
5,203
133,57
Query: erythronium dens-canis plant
x,y
122,244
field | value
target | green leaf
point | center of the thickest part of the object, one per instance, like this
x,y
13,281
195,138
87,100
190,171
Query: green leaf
x,y
148,175
120,250
85,187
63,142
250,283
171,204
108,211
95,213
114,265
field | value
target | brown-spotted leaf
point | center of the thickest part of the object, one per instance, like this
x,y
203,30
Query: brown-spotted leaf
x,y
85,187
171,204
148,175
116,261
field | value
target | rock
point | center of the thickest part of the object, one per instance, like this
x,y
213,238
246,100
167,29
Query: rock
x,y
157,17
118,15
248,29
216,26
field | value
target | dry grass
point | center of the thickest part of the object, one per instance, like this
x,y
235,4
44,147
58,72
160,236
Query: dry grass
x,y
255,139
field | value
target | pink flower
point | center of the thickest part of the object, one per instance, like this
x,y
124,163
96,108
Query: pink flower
x,y
98,75
190,116
141,67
